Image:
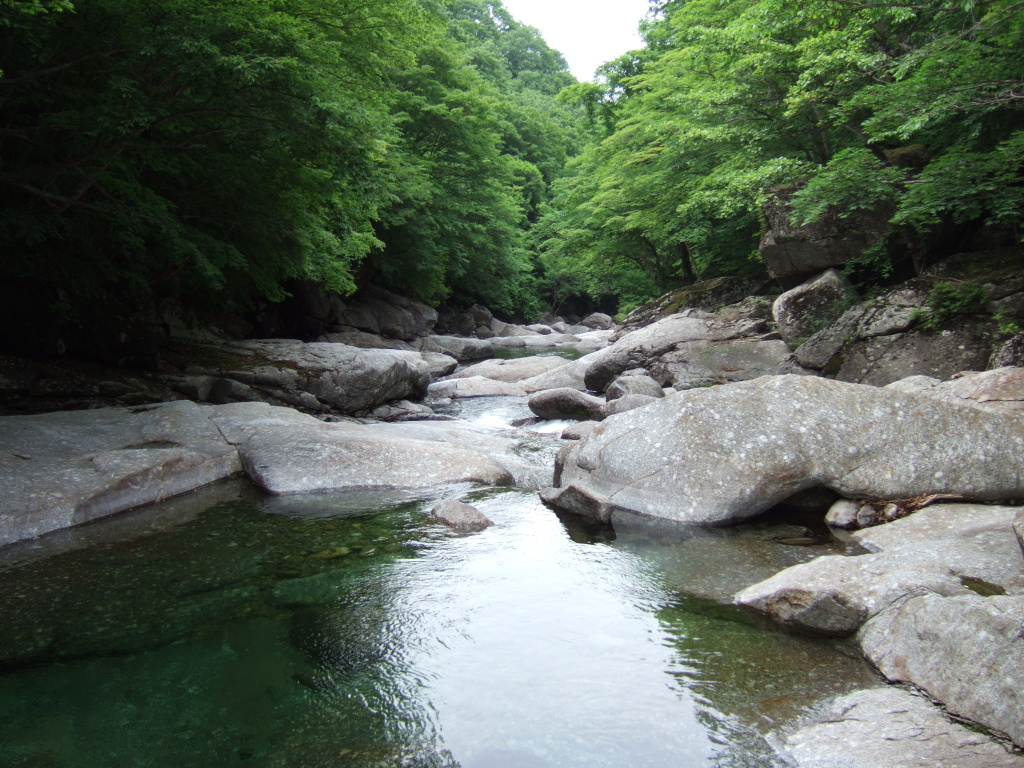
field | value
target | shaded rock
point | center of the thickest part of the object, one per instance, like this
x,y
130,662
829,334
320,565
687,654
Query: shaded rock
x,y
540,328
515,370
567,404
583,428
628,403
726,453
284,451
1000,390
965,651
598,321
364,340
475,386
822,351
945,549
378,311
1009,353
439,364
890,728
708,295
459,348
65,468
675,348
319,376
812,306
792,253
459,515
637,384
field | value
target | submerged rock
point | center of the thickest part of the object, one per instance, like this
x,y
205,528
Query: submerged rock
x,y
460,515
891,728
713,456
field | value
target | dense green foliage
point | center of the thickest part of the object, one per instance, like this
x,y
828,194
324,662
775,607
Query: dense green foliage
x,y
215,150
917,106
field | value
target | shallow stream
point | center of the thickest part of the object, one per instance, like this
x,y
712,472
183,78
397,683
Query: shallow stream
x,y
228,628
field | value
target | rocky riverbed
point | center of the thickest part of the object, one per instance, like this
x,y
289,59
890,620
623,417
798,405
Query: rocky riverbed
x,y
693,418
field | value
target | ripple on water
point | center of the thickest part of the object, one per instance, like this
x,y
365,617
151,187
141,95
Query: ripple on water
x,y
329,630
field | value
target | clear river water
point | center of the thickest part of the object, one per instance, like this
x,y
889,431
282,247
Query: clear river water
x,y
228,628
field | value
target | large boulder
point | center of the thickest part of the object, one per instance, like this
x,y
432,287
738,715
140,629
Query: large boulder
x,y
566,403
689,348
722,454
890,728
947,549
811,306
284,451
598,321
65,468
793,252
381,312
966,651
634,383
316,377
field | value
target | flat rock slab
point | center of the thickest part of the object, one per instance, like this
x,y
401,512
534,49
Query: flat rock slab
x,y
965,651
891,728
727,453
284,451
61,469
475,386
948,549
462,516
513,371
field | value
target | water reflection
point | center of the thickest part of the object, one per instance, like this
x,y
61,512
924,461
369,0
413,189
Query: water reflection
x,y
325,631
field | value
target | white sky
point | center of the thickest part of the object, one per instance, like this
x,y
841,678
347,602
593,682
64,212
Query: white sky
x,y
587,32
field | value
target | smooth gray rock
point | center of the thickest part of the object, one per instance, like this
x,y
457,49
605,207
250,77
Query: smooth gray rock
x,y
582,429
966,651
843,514
476,386
1000,390
947,549
439,364
567,404
540,328
459,347
891,728
628,403
284,451
570,375
515,370
811,306
339,377
459,515
717,455
598,321
637,384
61,469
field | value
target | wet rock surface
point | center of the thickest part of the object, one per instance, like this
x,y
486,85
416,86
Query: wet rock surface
x,y
459,515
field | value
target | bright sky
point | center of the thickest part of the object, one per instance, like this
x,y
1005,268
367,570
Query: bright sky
x,y
587,32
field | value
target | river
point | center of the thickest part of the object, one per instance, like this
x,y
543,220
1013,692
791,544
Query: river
x,y
228,628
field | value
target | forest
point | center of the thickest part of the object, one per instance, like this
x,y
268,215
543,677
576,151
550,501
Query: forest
x,y
216,152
